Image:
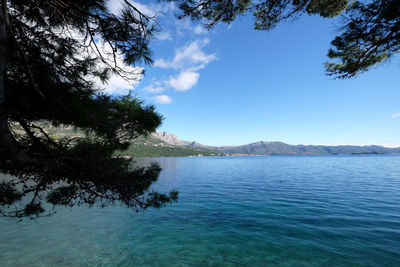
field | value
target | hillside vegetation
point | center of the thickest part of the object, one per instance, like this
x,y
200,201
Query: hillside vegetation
x,y
141,150
164,144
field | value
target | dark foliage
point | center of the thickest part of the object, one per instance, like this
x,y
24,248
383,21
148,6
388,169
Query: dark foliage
x,y
370,36
370,33
50,54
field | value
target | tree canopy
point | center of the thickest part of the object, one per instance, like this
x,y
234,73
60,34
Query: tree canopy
x,y
54,54
370,32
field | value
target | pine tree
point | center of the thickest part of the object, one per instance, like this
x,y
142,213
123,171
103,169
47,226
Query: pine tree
x,y
51,54
369,35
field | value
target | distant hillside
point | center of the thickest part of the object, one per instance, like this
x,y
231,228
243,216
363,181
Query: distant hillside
x,y
149,146
173,140
141,150
164,144
279,148
276,148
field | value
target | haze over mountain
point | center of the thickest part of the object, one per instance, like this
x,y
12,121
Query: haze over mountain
x,y
276,148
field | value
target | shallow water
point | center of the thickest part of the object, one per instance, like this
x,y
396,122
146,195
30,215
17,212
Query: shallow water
x,y
235,211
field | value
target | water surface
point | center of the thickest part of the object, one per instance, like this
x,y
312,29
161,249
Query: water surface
x,y
233,211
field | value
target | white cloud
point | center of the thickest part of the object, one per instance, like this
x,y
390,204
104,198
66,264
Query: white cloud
x,y
184,81
396,115
188,60
199,29
115,6
190,57
148,10
186,26
117,84
153,89
162,64
163,99
164,36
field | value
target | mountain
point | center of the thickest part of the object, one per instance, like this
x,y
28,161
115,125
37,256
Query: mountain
x,y
170,138
275,148
165,144
173,140
279,148
158,144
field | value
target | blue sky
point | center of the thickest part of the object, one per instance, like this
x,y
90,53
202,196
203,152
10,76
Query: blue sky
x,y
234,85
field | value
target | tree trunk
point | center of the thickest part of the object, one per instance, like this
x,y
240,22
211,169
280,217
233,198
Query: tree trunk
x,y
3,52
8,145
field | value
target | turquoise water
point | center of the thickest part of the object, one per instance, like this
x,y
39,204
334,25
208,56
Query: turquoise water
x,y
233,211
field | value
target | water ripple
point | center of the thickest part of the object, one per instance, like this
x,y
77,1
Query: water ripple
x,y
236,211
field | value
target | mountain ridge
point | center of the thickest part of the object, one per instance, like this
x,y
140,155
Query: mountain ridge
x,y
276,147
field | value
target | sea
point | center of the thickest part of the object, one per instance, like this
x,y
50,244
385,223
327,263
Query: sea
x,y
232,211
